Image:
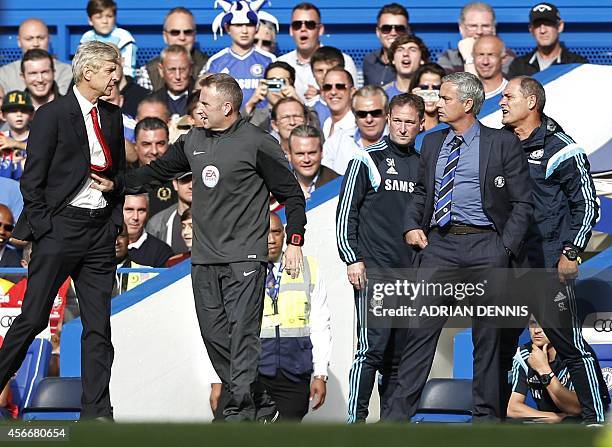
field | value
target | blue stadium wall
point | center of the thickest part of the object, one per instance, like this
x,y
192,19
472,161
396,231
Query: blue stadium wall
x,y
349,25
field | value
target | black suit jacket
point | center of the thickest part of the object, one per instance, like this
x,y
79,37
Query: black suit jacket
x,y
10,258
58,163
507,203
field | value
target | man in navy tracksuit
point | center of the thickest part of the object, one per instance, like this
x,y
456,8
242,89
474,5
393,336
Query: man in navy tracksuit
x,y
377,186
565,211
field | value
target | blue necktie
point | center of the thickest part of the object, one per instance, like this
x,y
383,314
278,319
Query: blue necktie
x,y
271,282
442,211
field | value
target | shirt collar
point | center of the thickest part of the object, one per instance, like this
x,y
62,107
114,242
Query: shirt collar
x,y
84,104
141,240
176,97
468,136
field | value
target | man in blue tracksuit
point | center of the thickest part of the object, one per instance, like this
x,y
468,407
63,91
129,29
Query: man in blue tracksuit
x,y
566,209
377,186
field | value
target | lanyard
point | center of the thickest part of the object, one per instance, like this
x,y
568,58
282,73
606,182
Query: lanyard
x,y
277,279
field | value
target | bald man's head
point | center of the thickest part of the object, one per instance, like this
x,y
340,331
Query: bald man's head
x,y
6,225
488,54
33,33
276,237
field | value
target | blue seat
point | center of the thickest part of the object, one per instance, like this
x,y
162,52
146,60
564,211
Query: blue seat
x,y
32,371
56,398
445,400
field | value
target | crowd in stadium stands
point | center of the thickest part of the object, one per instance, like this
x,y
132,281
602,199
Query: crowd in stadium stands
x,y
310,101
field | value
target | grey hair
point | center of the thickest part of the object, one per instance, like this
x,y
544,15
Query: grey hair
x,y
369,91
477,6
93,54
174,49
468,87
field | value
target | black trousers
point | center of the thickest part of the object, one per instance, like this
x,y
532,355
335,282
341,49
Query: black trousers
x,y
84,249
554,305
291,398
473,255
378,349
229,307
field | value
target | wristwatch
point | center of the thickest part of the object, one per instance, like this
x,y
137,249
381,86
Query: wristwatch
x,y
570,253
323,378
545,379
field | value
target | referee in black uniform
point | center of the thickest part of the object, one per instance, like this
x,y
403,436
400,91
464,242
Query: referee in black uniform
x,y
235,166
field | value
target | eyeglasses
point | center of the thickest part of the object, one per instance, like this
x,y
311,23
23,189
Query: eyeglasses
x,y
179,70
429,87
7,227
473,27
399,29
329,87
177,32
376,113
296,25
264,43
295,118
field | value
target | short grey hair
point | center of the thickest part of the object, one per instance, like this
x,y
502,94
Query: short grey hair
x,y
477,6
369,91
92,54
174,49
468,87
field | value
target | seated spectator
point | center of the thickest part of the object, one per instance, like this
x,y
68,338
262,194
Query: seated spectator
x,y
305,155
192,118
370,107
187,235
538,370
9,257
407,53
174,68
166,225
33,34
151,136
129,280
152,107
179,29
391,22
488,54
277,83
103,19
143,248
10,195
287,114
546,26
338,88
306,29
2,123
476,20
17,110
323,60
426,83
265,37
38,73
243,60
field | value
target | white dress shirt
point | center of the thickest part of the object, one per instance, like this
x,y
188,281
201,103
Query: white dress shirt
x,y
320,325
340,148
303,71
89,197
347,122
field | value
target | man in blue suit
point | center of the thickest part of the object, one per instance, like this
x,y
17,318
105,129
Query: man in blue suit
x,y
470,210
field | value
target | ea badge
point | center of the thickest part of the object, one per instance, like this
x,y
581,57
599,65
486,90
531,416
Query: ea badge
x,y
257,70
536,155
210,176
499,181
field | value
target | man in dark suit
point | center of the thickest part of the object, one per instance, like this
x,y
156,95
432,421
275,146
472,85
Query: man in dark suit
x,y
174,69
75,149
470,211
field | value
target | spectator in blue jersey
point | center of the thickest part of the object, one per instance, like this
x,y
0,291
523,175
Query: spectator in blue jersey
x,y
538,370
17,111
103,19
243,60
407,53
175,69
179,29
370,107
306,29
426,82
391,22
323,60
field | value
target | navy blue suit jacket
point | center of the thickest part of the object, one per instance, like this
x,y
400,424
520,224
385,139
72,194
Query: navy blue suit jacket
x,y
505,185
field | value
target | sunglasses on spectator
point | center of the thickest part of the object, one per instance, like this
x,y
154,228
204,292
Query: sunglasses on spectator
x,y
296,25
376,113
265,43
399,29
329,87
177,32
429,87
7,227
